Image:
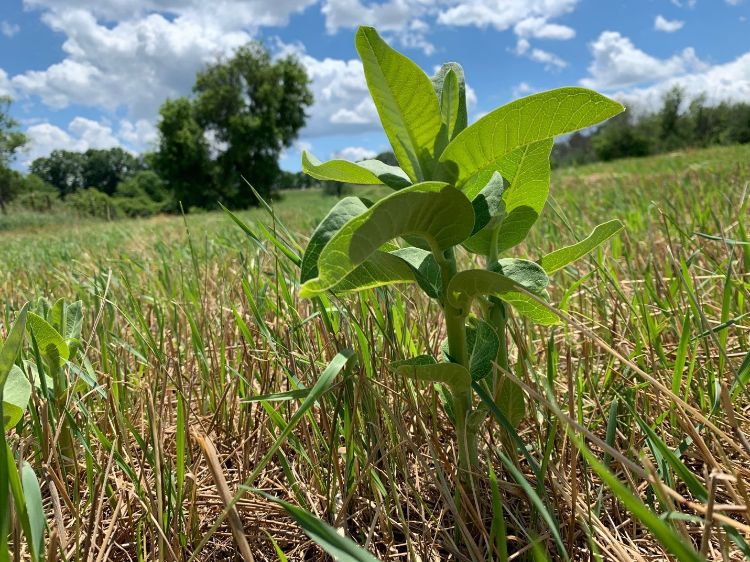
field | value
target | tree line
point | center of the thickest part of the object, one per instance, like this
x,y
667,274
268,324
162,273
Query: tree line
x,y
243,111
246,109
678,124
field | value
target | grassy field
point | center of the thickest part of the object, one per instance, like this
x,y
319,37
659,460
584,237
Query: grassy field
x,y
189,323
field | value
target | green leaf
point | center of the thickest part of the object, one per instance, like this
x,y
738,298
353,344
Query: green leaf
x,y
469,284
12,346
426,368
560,258
406,102
511,401
483,144
663,533
483,345
527,171
526,273
341,213
16,397
341,548
51,344
489,206
380,269
433,211
425,268
450,87
34,510
367,172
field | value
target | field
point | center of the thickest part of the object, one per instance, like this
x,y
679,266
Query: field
x,y
190,323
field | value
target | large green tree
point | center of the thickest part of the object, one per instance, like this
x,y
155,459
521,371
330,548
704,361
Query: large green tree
x,y
245,111
11,140
182,158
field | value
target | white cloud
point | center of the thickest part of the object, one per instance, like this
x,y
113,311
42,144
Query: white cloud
x,y
354,153
6,88
618,63
81,135
134,64
9,29
667,26
539,28
734,2
228,14
723,82
502,14
550,60
523,89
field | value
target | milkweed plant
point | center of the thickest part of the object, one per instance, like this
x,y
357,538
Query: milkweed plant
x,y
478,187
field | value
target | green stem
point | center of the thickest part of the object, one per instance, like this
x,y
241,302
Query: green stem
x,y
466,438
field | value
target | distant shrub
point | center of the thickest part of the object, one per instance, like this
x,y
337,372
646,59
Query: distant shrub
x,y
143,194
91,202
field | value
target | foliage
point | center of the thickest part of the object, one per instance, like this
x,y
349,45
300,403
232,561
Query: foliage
x,y
481,185
96,168
11,140
245,111
676,125
92,203
143,194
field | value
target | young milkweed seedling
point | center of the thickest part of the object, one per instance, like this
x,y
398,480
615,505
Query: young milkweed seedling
x,y
480,187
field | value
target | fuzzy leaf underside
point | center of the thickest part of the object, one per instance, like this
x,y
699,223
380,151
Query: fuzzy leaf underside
x,y
367,172
433,211
469,284
426,368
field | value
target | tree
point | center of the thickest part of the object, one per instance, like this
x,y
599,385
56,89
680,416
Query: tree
x,y
101,169
11,140
251,107
105,169
183,160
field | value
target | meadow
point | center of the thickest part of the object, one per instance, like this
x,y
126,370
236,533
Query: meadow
x,y
197,353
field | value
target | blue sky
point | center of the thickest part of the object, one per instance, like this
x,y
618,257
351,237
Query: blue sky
x,y
90,74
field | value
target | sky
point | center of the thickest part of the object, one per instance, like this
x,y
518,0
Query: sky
x,y
93,74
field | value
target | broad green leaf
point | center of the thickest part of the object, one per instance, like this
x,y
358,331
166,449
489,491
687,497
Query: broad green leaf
x,y
425,267
511,401
483,345
16,397
341,213
12,345
542,116
340,547
527,171
50,342
662,531
34,510
467,285
489,205
526,273
560,258
433,211
380,269
368,172
452,98
406,102
426,368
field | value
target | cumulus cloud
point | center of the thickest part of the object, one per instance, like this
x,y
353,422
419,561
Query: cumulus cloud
x,y
723,82
354,153
618,63
503,14
668,26
134,64
9,29
540,28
